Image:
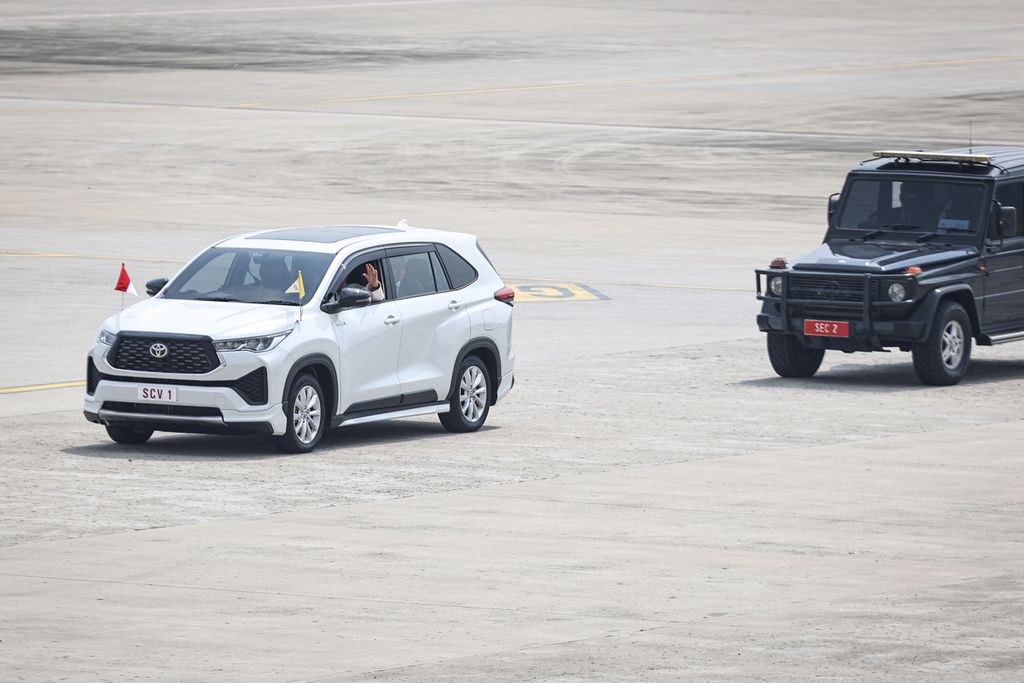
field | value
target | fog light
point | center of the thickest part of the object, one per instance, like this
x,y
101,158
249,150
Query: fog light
x,y
775,285
897,292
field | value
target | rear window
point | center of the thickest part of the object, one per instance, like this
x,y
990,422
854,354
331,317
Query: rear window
x,y
460,272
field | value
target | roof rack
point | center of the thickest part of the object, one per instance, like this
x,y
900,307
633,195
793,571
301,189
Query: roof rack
x,y
933,156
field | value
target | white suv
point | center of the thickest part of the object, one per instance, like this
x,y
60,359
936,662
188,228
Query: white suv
x,y
228,347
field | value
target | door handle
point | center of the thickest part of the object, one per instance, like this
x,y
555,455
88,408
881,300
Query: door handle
x,y
392,320
454,305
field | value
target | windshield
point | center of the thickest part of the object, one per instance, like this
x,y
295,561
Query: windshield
x,y
890,204
253,276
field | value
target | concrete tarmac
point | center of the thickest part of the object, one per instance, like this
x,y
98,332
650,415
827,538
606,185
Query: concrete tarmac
x,y
651,502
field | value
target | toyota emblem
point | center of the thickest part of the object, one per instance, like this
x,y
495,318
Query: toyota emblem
x,y
158,350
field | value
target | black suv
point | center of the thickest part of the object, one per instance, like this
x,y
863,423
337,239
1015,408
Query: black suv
x,y
924,252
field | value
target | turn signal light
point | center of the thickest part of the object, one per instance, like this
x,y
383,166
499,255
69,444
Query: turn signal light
x,y
506,295
779,262
914,270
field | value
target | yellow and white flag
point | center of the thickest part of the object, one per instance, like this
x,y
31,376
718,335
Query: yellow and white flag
x,y
297,288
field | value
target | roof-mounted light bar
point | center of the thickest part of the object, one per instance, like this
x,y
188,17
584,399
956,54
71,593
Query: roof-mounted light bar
x,y
933,156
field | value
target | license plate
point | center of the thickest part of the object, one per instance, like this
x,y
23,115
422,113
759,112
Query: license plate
x,y
826,328
155,393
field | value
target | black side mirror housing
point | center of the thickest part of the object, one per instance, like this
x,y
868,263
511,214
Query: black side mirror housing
x,y
153,287
351,296
833,204
1007,221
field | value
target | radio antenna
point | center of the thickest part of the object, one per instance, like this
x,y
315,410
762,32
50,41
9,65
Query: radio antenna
x,y
970,136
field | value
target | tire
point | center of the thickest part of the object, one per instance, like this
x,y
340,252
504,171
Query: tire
x,y
942,358
305,416
128,435
471,399
790,358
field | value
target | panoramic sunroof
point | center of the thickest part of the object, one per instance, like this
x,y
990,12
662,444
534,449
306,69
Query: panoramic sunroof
x,y
324,234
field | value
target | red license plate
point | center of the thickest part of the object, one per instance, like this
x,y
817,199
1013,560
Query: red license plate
x,y
826,328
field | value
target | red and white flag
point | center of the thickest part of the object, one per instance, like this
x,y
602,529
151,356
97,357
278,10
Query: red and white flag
x,y
124,283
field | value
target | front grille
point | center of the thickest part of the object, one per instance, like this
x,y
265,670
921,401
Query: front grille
x,y
826,288
185,355
161,409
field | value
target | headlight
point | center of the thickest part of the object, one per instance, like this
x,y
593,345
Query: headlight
x,y
775,286
897,291
256,344
106,337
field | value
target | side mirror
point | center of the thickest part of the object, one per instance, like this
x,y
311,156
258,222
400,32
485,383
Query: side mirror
x,y
153,287
349,297
833,204
1007,221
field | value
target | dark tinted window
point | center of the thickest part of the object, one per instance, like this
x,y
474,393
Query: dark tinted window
x,y
440,281
913,205
1013,195
412,275
460,273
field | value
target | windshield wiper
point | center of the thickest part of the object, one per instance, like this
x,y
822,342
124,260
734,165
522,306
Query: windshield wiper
x,y
278,302
213,298
927,236
903,226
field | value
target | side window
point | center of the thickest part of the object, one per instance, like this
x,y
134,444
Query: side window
x,y
412,275
356,274
1012,194
460,272
440,280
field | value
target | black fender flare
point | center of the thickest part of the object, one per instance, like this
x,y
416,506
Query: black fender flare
x,y
926,311
471,346
308,361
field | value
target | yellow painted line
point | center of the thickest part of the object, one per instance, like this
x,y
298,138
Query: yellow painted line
x,y
96,257
646,81
42,387
612,283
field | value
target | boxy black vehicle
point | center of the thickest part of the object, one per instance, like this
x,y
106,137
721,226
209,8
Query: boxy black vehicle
x,y
924,252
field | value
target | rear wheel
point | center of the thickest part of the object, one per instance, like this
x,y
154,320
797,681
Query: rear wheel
x,y
471,400
306,416
942,359
128,435
790,358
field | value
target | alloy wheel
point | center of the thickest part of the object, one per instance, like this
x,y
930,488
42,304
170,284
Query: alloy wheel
x,y
952,344
306,414
473,393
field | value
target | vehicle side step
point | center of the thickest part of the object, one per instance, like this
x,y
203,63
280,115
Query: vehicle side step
x,y
1004,338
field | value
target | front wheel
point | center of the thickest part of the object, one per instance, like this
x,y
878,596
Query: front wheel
x,y
306,417
942,358
471,400
790,358
128,435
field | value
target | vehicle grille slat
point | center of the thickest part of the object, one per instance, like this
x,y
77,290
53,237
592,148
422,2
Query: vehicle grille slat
x,y
184,356
826,288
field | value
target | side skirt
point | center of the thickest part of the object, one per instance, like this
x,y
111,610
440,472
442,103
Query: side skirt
x,y
390,413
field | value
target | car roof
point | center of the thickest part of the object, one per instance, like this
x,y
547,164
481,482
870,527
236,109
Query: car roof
x,y
331,239
1005,161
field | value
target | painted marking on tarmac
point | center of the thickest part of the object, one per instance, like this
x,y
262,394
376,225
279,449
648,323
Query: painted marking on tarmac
x,y
693,78
560,291
42,387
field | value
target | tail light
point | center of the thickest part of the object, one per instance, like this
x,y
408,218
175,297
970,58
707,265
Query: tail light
x,y
506,295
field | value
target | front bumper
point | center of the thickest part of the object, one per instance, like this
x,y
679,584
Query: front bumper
x,y
874,323
205,403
